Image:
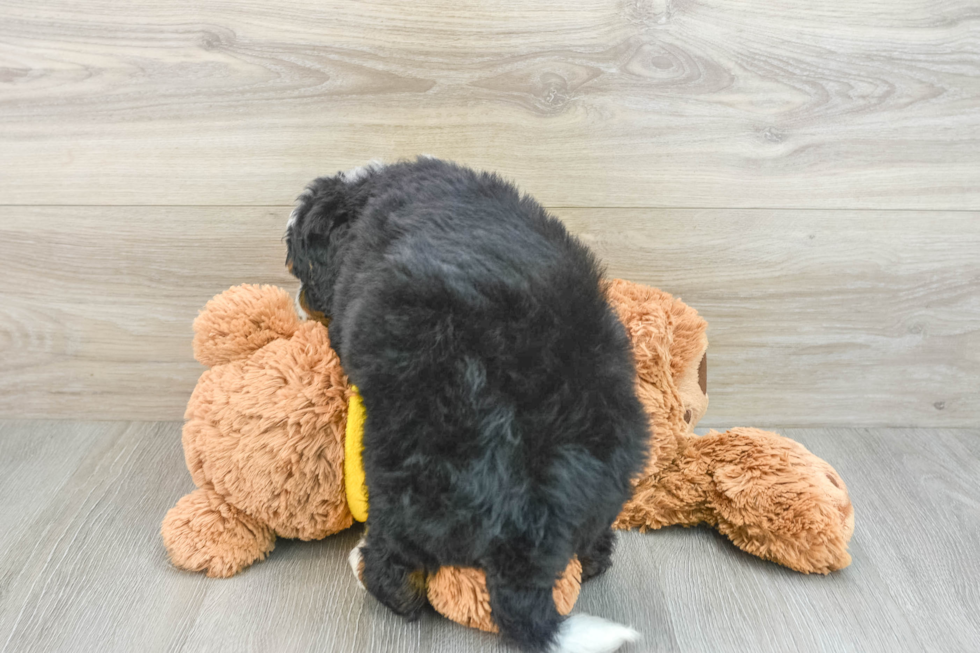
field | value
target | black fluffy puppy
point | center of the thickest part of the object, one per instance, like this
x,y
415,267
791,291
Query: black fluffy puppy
x,y
502,423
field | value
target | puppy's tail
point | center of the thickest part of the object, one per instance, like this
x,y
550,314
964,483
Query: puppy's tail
x,y
526,614
583,633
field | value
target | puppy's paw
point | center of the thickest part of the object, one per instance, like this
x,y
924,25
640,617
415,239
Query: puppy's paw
x,y
583,633
356,560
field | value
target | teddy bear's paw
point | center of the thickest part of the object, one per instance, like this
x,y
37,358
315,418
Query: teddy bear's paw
x,y
204,533
829,520
777,500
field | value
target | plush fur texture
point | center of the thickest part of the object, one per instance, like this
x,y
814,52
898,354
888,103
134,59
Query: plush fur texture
x,y
503,427
264,432
278,388
460,593
768,494
263,436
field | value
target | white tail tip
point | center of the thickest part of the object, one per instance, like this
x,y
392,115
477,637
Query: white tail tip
x,y
583,633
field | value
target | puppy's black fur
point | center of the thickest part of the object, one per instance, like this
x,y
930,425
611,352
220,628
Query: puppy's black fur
x,y
502,423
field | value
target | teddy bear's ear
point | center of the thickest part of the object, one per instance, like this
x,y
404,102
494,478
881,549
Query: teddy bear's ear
x,y
645,312
669,343
242,320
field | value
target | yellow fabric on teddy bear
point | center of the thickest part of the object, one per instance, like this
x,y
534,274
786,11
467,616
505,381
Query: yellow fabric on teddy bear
x,y
354,478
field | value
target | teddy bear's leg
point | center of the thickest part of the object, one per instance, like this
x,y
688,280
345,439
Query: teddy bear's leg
x,y
775,499
460,594
204,533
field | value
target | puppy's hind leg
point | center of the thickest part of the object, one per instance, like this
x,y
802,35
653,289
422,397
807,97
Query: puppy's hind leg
x,y
596,558
390,579
524,610
523,607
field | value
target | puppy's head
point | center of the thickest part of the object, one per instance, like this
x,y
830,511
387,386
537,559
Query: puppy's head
x,y
316,233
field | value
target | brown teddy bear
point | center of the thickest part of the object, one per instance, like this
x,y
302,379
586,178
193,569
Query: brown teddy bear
x,y
265,431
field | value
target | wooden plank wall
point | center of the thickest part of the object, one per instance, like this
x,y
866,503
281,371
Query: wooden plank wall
x,y
805,174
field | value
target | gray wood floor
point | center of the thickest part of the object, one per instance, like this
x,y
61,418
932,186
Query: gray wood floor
x,y
82,567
